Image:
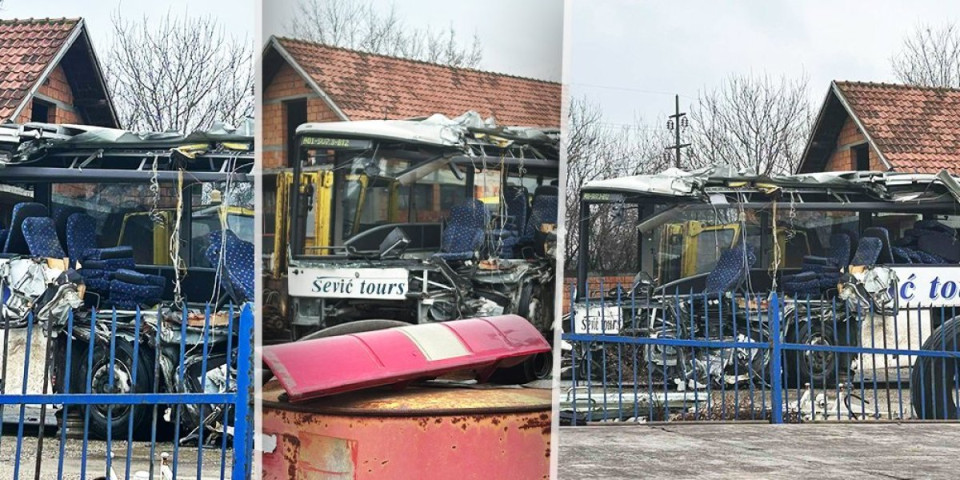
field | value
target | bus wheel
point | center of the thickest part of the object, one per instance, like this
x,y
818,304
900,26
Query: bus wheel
x,y
818,368
933,381
535,367
115,419
194,382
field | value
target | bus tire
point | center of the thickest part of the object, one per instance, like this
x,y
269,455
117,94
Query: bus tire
x,y
120,416
535,367
194,383
819,369
933,381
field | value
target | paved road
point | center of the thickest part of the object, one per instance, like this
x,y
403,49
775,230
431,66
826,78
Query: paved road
x,y
96,459
760,451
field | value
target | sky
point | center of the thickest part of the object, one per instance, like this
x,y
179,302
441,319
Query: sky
x,y
518,37
631,57
628,56
236,15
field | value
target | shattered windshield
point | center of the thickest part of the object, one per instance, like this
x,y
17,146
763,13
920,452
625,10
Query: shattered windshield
x,y
676,243
365,189
377,186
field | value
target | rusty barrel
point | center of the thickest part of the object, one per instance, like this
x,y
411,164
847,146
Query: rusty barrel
x,y
424,432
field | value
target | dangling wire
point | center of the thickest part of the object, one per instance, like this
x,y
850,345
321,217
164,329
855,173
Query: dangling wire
x,y
223,213
155,215
504,207
777,253
742,220
178,267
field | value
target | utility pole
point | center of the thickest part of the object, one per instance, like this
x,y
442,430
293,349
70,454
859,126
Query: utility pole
x,y
677,121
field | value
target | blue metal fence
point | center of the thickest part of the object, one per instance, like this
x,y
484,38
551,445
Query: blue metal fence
x,y
118,382
683,356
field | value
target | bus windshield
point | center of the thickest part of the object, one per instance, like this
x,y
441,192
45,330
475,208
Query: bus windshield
x,y
377,187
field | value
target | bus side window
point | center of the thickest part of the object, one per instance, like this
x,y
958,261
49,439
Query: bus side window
x,y
210,210
138,234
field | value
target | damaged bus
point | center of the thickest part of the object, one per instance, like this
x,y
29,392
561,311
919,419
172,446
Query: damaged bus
x,y
867,260
395,222
142,233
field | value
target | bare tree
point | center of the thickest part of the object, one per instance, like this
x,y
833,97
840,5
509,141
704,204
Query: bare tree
x,y
178,73
359,25
752,122
930,57
597,150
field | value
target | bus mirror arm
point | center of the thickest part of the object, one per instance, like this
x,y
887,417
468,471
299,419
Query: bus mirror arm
x,y
456,171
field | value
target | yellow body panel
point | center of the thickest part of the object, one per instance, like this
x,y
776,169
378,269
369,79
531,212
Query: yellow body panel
x,y
321,183
690,233
323,210
161,231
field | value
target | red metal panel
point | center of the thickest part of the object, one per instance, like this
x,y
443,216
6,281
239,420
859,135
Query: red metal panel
x,y
327,366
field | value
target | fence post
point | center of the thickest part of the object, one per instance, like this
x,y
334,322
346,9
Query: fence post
x,y
243,418
573,353
776,369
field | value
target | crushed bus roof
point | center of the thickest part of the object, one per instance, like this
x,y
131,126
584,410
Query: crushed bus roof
x,y
83,135
701,183
462,133
63,151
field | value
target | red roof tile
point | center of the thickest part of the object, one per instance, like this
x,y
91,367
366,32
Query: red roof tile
x,y
370,87
26,48
915,128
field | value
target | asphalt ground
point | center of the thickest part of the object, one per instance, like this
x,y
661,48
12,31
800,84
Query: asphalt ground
x,y
760,451
96,459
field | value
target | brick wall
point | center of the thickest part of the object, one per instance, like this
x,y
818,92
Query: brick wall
x,y
56,88
609,282
119,196
274,133
843,157
287,85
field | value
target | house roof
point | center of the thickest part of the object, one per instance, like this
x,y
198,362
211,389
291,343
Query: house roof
x,y
913,129
363,86
29,51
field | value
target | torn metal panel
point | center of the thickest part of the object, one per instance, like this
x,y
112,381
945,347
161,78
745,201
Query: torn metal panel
x,y
436,130
52,152
705,183
326,366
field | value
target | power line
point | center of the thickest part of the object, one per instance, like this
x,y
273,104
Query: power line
x,y
677,121
630,126
628,89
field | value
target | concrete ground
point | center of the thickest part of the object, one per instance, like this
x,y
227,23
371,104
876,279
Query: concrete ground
x,y
96,459
760,451
885,402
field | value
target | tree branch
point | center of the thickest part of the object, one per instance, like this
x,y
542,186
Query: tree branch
x,y
359,25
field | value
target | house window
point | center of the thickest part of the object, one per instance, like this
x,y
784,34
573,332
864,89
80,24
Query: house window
x,y
861,157
44,112
296,115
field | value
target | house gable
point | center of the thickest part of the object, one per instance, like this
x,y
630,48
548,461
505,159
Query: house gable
x,y
51,63
888,127
287,90
364,86
319,83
